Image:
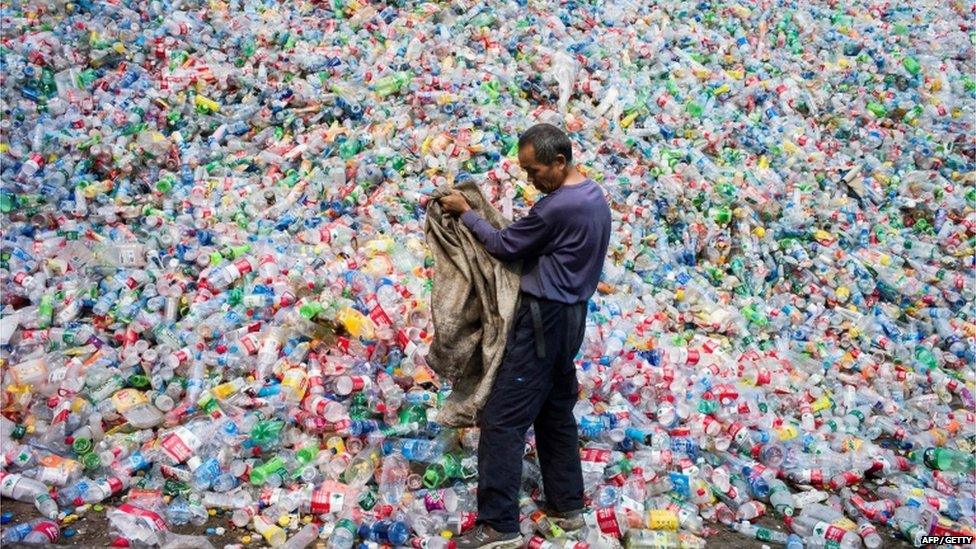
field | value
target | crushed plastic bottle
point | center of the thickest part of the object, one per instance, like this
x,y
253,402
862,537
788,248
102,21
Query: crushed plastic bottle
x,y
214,289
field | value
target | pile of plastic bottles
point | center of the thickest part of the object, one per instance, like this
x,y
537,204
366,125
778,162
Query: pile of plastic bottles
x,y
215,286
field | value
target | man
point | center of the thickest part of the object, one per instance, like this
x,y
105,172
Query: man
x,y
562,243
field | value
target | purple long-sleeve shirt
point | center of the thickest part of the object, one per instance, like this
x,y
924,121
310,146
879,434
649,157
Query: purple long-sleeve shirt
x,y
562,242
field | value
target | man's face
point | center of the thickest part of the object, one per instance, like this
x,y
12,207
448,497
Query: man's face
x,y
545,178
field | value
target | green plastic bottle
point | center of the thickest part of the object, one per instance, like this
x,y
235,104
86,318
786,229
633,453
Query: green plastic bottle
x,y
945,459
311,309
391,84
444,469
911,65
265,431
925,358
755,317
8,202
721,215
45,311
349,148
260,474
306,454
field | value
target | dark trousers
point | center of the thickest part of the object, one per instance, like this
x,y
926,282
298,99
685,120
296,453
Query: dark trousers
x,y
536,385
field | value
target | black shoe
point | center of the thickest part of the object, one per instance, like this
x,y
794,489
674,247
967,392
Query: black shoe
x,y
486,537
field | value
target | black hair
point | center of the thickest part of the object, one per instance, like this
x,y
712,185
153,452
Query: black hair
x,y
548,141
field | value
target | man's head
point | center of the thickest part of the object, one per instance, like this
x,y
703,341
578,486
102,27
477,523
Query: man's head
x,y
546,155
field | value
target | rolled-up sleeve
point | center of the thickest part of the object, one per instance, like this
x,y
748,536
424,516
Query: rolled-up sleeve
x,y
513,242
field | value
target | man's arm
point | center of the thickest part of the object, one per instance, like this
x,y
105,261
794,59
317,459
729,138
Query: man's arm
x,y
513,242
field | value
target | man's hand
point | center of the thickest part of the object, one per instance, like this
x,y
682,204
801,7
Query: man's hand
x,y
454,203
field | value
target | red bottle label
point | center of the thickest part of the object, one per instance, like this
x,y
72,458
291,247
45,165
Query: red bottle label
x,y
155,520
606,519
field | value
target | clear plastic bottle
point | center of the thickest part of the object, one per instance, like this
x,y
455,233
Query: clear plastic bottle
x,y
45,531
21,488
815,530
760,533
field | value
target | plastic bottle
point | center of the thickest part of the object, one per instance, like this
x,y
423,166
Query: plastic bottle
x,y
26,489
303,538
270,531
648,539
386,531
343,535
393,478
946,459
92,490
17,532
137,523
813,529
760,533
45,531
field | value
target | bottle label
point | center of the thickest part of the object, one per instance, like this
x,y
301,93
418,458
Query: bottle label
x,y
816,477
153,520
225,390
845,524
379,316
112,484
402,339
850,477
177,444
242,266
942,527
681,483
327,500
49,529
267,529
358,383
135,462
249,344
434,501
830,532
315,404
287,298
659,519
7,482
127,399
467,521
763,377
295,380
56,470
606,519
596,455
210,468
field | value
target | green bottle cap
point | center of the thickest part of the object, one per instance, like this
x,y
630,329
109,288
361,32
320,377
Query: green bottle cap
x,y
367,501
311,309
138,381
81,445
8,202
91,461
